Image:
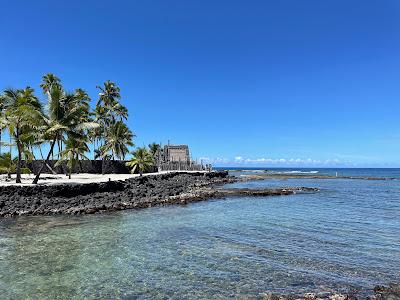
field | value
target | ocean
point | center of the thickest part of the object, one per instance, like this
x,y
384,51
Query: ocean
x,y
346,237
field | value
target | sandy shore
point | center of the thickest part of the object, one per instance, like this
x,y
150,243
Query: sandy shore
x,y
82,178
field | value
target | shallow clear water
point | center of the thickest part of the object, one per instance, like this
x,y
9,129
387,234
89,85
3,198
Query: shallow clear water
x,y
345,236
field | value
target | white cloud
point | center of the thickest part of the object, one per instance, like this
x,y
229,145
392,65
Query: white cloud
x,y
266,161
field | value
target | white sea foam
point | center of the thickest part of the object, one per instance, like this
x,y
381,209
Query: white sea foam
x,y
301,172
253,171
294,172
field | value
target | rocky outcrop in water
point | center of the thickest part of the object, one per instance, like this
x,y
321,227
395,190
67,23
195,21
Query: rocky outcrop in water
x,y
387,292
139,192
380,292
265,192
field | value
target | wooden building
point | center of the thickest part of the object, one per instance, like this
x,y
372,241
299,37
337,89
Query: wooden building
x,y
177,157
176,153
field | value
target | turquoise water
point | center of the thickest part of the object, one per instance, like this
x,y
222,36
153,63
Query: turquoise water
x,y
345,236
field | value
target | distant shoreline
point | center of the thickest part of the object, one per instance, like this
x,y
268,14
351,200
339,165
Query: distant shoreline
x,y
310,176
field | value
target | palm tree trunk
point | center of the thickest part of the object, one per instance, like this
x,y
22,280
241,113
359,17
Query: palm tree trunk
x,y
33,154
47,165
35,181
59,149
18,170
10,144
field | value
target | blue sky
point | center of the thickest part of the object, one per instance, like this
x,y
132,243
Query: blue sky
x,y
260,83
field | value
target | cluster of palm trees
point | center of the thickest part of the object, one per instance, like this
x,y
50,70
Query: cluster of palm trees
x,y
66,124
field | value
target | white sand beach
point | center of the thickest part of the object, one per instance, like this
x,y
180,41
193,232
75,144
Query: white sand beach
x,y
81,178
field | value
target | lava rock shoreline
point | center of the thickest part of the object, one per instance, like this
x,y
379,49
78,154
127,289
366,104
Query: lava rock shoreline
x,y
380,292
133,193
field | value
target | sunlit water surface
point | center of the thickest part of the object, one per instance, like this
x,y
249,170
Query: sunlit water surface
x,y
345,236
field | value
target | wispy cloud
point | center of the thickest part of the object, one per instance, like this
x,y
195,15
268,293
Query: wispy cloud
x,y
263,161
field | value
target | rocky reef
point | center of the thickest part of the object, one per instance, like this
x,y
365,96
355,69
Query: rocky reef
x,y
139,192
380,292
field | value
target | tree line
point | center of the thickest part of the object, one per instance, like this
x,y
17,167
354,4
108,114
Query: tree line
x,y
68,125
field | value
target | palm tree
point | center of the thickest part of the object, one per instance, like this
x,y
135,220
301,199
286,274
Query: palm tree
x,y
118,111
22,117
141,160
154,149
66,115
48,81
118,138
109,93
109,99
2,101
97,134
66,119
83,98
75,149
112,135
9,165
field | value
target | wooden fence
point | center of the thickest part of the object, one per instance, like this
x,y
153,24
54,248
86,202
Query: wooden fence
x,y
183,166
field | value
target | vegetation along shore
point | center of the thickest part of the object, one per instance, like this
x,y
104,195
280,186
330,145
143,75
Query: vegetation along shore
x,y
64,127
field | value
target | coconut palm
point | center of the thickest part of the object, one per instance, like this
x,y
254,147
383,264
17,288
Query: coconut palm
x,y
75,149
2,102
8,165
109,93
112,135
118,111
66,119
109,99
48,81
142,160
83,98
154,149
97,134
118,138
22,117
65,115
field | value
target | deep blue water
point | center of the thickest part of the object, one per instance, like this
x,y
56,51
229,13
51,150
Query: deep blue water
x,y
346,172
347,236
